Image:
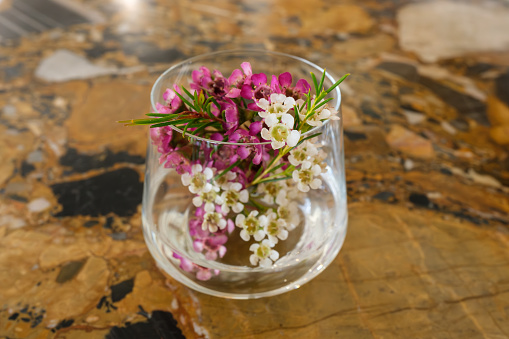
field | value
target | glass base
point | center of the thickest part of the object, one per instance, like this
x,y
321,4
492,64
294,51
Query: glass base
x,y
251,284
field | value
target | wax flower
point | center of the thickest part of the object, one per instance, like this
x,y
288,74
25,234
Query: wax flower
x,y
259,159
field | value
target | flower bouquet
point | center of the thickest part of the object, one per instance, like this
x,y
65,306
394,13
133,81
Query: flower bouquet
x,y
247,149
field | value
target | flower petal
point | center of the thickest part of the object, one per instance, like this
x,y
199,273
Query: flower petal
x,y
288,120
244,235
197,201
233,93
246,67
259,79
255,128
235,76
253,259
272,119
293,138
274,85
263,103
277,144
265,135
239,220
186,179
208,173
316,183
285,79
274,255
302,86
243,152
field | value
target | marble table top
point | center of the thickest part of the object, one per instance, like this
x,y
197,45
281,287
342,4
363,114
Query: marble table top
x,y
426,115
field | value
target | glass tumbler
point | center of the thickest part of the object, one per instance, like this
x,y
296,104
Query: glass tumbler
x,y
222,266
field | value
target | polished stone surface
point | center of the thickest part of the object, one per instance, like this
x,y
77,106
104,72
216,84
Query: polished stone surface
x,y
426,115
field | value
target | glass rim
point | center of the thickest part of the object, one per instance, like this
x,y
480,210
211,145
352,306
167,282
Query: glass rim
x,y
312,131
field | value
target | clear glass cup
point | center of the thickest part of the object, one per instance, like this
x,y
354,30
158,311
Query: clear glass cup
x,y
168,208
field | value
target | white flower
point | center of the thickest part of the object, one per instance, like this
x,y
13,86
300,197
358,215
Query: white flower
x,y
212,221
279,105
198,180
274,227
224,180
250,226
263,254
303,153
271,191
233,198
281,133
290,214
305,177
319,160
321,113
210,198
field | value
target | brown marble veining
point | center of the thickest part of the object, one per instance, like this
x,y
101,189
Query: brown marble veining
x,y
426,115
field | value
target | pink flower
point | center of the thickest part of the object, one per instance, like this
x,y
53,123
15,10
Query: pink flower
x,y
301,88
171,98
185,264
204,274
225,156
244,151
237,80
216,136
284,81
161,137
172,101
201,78
231,114
258,89
176,160
230,225
215,84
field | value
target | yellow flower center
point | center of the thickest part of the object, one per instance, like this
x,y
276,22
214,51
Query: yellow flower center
x,y
279,132
272,189
273,228
199,180
252,225
232,197
263,251
306,176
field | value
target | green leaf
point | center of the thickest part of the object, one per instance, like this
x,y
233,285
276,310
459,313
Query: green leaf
x,y
189,126
202,127
337,83
315,82
185,100
277,167
144,121
306,138
323,103
168,123
209,112
162,115
172,122
201,98
189,94
297,117
276,179
196,99
215,103
320,87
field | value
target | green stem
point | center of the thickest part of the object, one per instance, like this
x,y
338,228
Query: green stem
x,y
257,205
267,170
